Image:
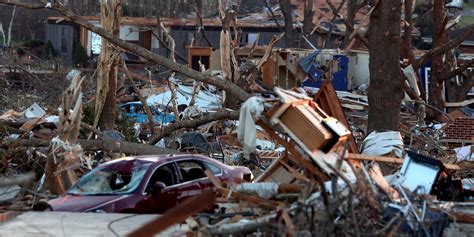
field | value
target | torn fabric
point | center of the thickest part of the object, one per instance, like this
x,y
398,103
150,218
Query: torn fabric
x,y
246,132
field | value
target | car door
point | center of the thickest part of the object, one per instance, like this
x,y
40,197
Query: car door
x,y
160,200
193,179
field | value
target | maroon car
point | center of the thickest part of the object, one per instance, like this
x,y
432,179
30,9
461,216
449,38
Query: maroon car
x,y
144,184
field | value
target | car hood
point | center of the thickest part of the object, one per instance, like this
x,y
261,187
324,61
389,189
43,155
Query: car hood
x,y
80,203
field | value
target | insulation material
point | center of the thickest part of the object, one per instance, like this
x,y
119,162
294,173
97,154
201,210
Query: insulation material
x,y
383,143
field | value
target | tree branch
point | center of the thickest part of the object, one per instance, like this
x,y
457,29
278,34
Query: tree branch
x,y
201,25
335,11
232,115
32,6
273,15
149,114
443,48
167,47
142,52
107,145
457,71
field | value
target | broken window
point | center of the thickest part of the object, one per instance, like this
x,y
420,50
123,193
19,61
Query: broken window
x,y
191,170
105,181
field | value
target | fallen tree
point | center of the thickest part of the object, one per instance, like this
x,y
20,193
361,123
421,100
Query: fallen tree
x,y
106,145
225,85
231,115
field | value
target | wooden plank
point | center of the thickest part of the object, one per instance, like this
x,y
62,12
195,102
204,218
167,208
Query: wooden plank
x,y
213,179
327,96
177,215
395,160
298,158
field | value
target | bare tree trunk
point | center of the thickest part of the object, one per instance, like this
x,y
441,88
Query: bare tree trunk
x,y
440,37
385,90
286,10
9,40
111,12
65,153
308,17
407,44
351,12
228,45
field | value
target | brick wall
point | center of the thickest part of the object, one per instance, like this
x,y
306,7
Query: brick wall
x,y
462,128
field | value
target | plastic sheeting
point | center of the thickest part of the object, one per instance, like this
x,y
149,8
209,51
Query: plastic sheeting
x,y
465,153
382,143
205,100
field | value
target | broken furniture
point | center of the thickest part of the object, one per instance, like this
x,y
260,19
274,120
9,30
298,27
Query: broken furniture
x,y
306,123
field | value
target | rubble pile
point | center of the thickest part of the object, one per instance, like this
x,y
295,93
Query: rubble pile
x,y
314,168
311,177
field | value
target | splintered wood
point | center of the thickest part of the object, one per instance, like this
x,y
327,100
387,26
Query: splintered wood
x,y
176,215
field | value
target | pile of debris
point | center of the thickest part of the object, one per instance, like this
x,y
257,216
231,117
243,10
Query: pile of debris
x,y
310,176
319,186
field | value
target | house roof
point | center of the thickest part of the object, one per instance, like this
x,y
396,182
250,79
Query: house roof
x,y
323,18
152,21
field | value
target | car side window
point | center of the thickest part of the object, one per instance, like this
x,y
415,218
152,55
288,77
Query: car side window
x,y
191,170
216,170
163,174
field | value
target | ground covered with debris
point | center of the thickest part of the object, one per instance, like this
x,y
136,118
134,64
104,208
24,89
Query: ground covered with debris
x,y
247,140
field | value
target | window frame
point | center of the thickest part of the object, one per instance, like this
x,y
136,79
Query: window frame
x,y
153,172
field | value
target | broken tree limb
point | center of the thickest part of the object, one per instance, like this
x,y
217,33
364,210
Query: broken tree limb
x,y
274,18
445,47
168,47
350,27
395,160
197,86
174,95
459,104
201,25
231,115
106,145
177,215
457,71
225,85
149,114
267,54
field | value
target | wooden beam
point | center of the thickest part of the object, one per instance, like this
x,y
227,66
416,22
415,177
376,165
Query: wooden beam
x,y
395,160
177,215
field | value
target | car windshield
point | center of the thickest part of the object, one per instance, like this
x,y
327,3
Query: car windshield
x,y
107,181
